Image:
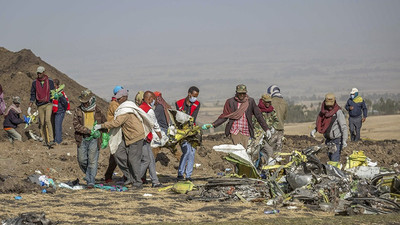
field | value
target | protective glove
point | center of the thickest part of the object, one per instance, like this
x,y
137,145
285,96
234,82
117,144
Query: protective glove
x,y
344,144
29,111
268,134
313,133
272,130
69,112
27,119
206,126
97,127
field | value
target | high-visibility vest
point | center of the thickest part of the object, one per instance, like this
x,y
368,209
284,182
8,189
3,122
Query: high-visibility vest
x,y
180,104
146,108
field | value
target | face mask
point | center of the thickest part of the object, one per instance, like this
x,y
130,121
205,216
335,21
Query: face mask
x,y
152,103
352,96
192,99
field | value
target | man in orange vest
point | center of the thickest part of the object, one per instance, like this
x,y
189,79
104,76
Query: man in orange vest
x,y
190,106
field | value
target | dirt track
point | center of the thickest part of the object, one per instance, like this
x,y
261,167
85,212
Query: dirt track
x,y
100,206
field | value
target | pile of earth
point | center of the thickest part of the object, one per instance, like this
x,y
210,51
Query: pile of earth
x,y
18,70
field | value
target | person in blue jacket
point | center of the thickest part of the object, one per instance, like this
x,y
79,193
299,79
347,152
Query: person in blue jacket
x,y
357,114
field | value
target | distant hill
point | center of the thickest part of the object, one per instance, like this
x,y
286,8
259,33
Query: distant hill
x,y
18,70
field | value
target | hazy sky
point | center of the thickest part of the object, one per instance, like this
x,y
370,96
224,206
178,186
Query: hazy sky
x,y
111,41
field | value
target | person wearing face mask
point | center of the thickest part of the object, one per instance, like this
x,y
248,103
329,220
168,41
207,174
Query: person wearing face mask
x,y
240,110
190,106
357,114
332,124
148,160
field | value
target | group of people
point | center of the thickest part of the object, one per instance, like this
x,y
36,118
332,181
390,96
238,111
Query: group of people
x,y
132,125
52,103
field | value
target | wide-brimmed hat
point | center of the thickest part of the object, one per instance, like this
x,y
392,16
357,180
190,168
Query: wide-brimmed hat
x,y
241,88
353,91
16,100
330,99
266,98
85,96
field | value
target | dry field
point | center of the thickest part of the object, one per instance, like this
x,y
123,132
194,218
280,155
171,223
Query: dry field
x,y
374,128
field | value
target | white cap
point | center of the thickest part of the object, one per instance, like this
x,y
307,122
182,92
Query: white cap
x,y
40,69
353,91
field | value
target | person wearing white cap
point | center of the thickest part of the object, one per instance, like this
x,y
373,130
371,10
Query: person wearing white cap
x,y
358,112
40,94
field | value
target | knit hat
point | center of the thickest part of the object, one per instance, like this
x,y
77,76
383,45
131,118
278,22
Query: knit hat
x,y
330,99
241,88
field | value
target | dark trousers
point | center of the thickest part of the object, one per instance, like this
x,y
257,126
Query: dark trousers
x,y
355,124
58,120
112,164
336,155
128,159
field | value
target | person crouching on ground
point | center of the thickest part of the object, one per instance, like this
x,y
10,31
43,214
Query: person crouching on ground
x,y
148,160
127,145
12,119
332,124
85,116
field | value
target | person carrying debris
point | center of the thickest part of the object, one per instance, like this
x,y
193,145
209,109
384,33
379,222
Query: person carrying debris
x,y
40,94
358,112
281,109
12,119
148,160
85,117
191,106
60,107
128,130
332,124
269,114
112,164
240,110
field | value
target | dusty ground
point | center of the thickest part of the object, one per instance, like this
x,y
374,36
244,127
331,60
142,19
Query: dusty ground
x,y
104,207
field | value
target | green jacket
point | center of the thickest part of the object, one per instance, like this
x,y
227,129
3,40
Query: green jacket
x,y
270,118
281,108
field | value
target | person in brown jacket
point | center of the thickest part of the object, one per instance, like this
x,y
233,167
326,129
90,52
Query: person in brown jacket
x,y
240,110
129,151
110,117
85,116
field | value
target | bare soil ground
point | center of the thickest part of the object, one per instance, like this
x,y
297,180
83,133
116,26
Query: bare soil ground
x,y
98,206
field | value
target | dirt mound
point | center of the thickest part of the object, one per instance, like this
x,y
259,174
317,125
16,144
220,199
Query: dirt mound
x,y
18,70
